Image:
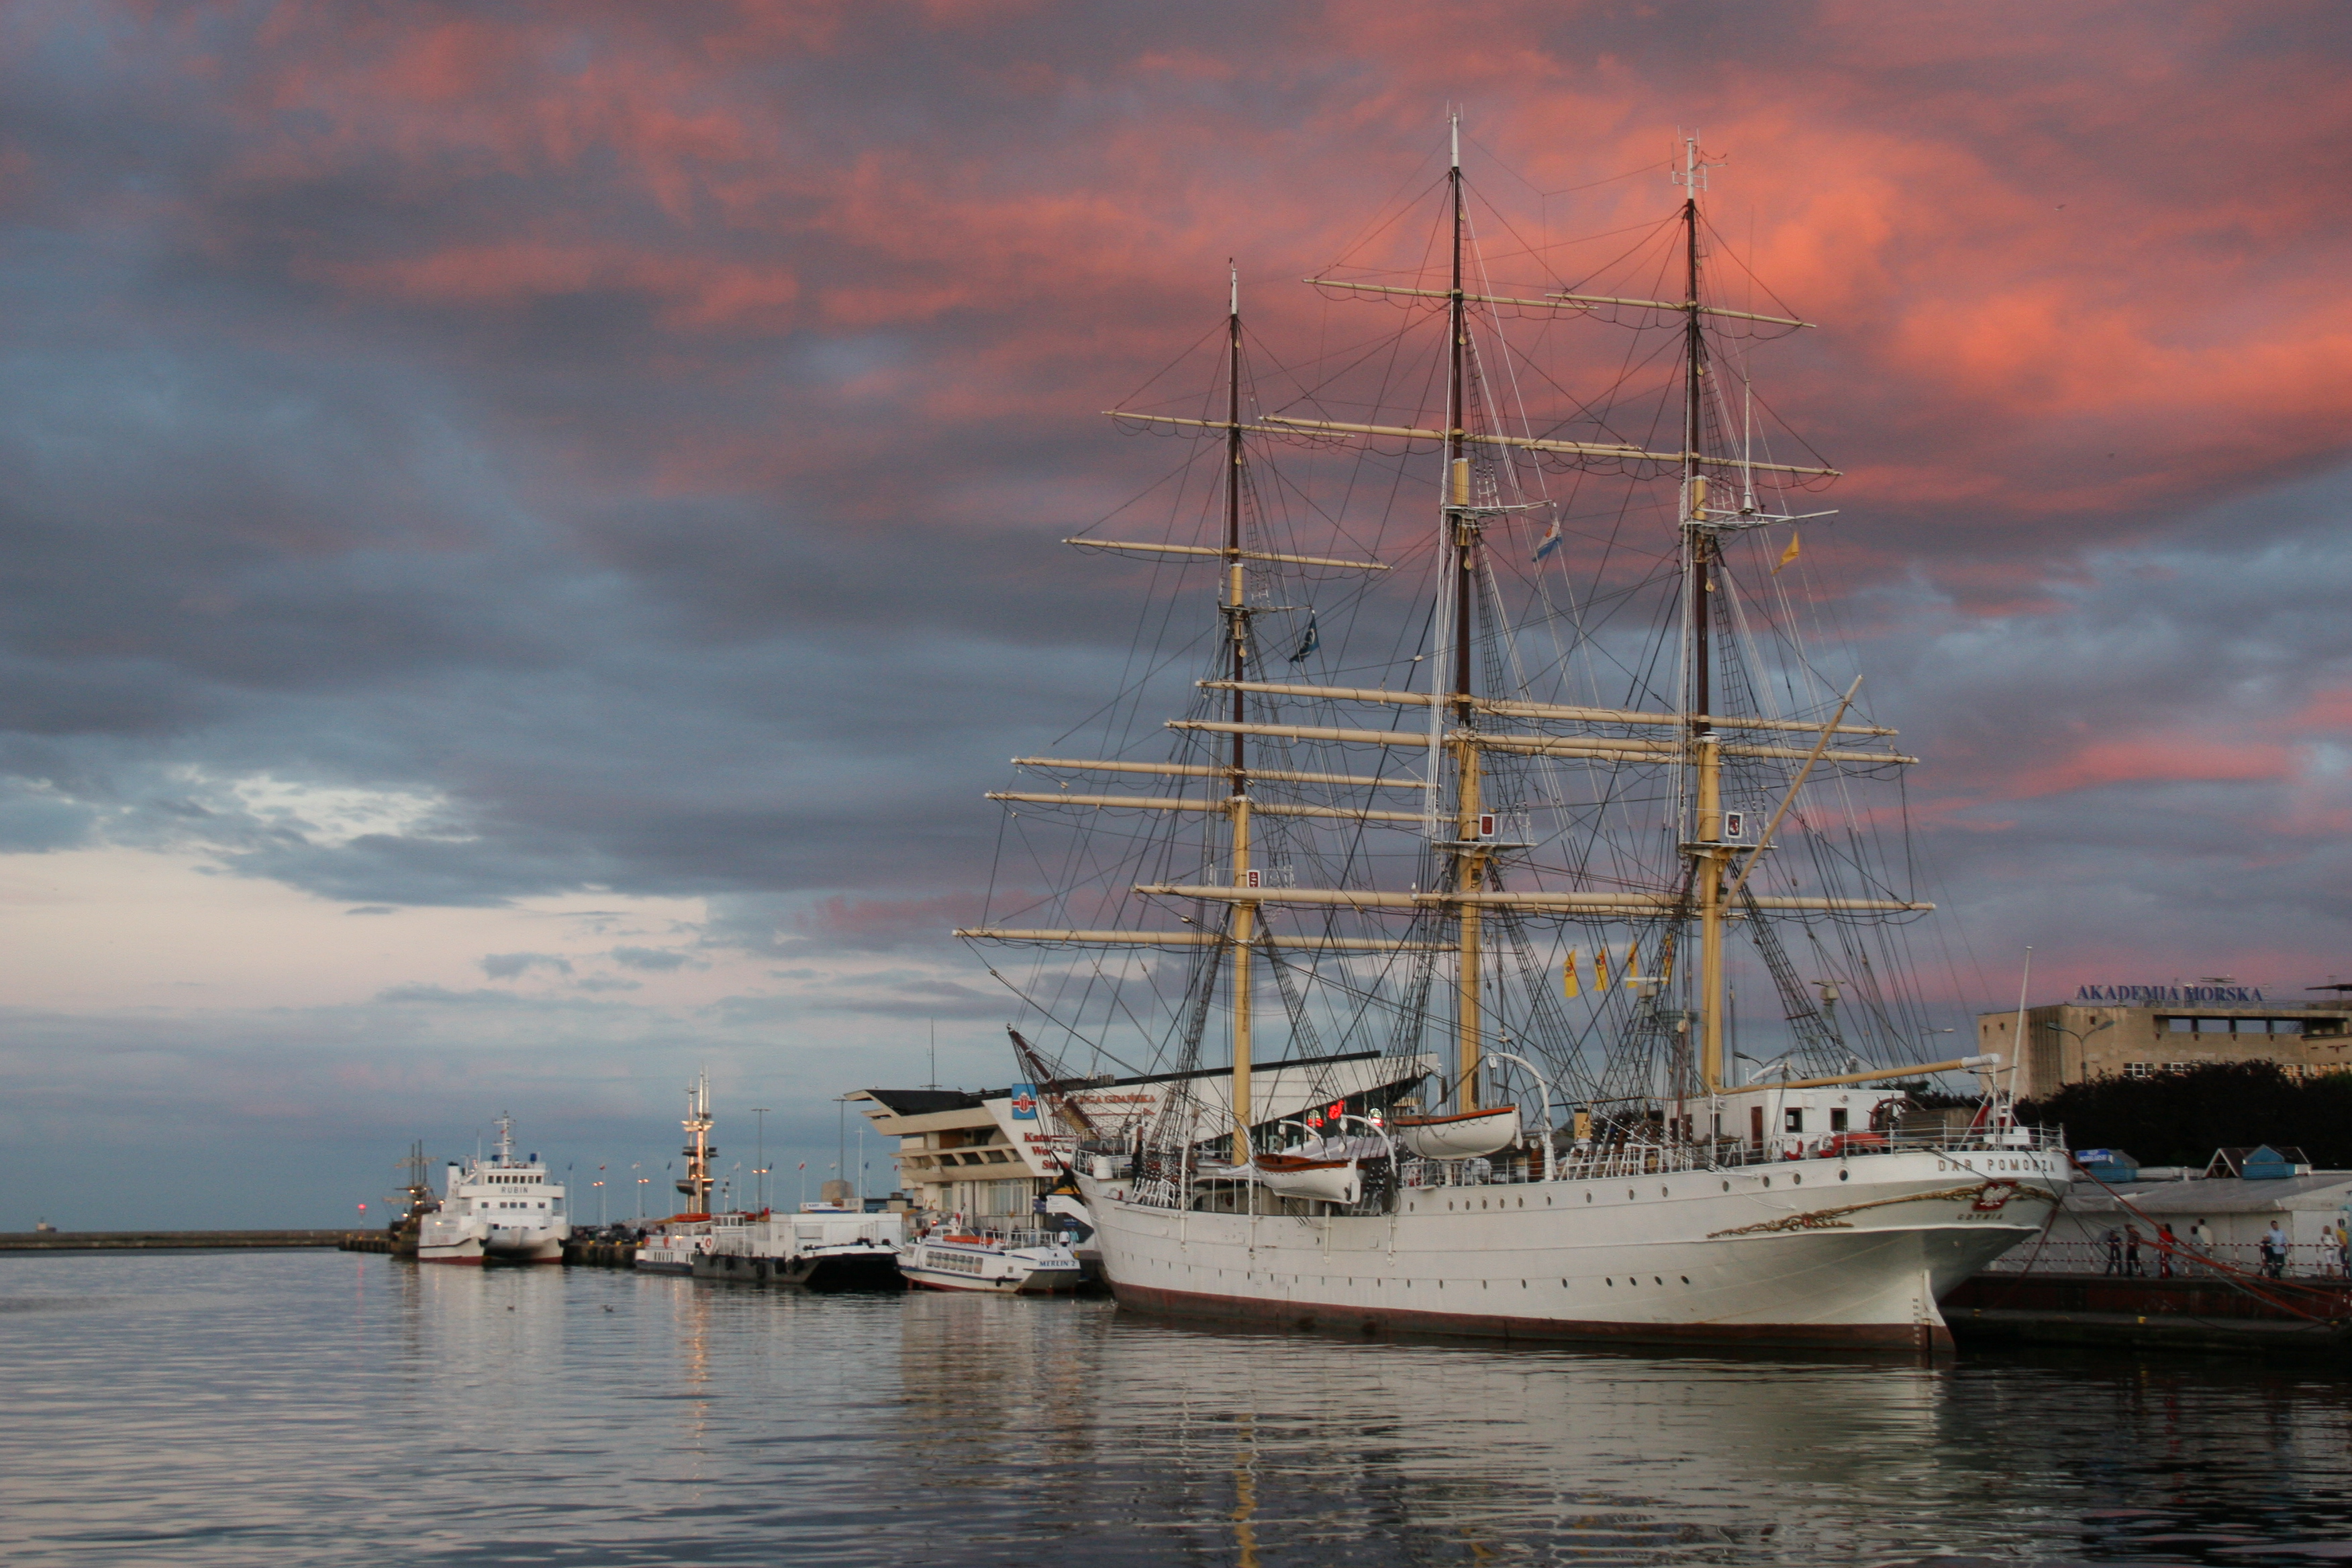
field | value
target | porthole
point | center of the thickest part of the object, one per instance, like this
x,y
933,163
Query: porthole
x,y
1726,1187
1655,1280
1686,1278
1612,1283
1800,1181
1767,1180
1631,1193
1588,1197
1845,1176
1664,1194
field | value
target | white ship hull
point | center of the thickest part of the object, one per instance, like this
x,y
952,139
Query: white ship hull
x,y
458,1242
1044,1270
1833,1253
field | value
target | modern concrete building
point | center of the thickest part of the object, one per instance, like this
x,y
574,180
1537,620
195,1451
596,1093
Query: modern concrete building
x,y
953,1156
2134,1031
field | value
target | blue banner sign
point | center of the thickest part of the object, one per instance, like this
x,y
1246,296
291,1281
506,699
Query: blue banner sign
x,y
1024,1102
2146,993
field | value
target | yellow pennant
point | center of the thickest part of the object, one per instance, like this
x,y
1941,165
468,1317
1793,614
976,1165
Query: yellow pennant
x,y
1568,984
1633,963
1667,960
1789,554
1600,967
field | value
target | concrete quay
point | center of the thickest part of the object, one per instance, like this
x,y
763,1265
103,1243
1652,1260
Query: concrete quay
x,y
163,1240
2198,1314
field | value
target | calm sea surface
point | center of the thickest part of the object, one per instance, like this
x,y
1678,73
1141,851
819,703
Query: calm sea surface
x,y
338,1408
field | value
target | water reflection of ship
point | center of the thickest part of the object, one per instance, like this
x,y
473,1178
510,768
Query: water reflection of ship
x,y
1239,1439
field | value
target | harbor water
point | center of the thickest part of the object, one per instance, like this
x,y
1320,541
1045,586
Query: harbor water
x,y
318,1408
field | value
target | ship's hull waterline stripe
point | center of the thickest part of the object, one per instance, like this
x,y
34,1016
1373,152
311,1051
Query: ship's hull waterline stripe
x,y
1510,709
1569,903
1198,939
1177,802
1280,425
1623,751
1198,771
1228,554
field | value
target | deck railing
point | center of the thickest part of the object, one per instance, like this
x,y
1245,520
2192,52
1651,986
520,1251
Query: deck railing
x,y
1164,1179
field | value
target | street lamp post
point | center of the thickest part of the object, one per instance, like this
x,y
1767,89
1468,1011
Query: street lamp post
x,y
760,1159
2081,1039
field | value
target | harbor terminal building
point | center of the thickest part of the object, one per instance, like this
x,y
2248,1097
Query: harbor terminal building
x,y
2138,1031
990,1153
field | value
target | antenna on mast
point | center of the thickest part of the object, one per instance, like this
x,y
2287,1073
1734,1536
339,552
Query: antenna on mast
x,y
1453,119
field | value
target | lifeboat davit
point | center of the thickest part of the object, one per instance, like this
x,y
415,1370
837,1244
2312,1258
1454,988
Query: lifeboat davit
x,y
1464,1135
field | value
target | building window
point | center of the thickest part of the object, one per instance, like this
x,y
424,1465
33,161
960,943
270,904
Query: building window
x,y
1795,1119
2178,1067
2139,1069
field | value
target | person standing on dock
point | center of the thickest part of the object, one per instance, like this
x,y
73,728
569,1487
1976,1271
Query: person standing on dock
x,y
2200,1237
2115,1251
2274,1252
2131,1252
2164,1242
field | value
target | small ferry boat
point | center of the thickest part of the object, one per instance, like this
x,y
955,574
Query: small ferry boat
x,y
823,1247
1024,1263
672,1246
499,1210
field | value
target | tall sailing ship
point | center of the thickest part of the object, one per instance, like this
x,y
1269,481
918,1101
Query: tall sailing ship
x,y
1512,831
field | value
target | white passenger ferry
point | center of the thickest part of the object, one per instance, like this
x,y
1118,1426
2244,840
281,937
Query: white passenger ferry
x,y
1025,1263
499,1210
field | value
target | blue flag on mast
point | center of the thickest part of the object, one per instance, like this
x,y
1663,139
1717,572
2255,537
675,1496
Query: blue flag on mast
x,y
1549,542
1309,643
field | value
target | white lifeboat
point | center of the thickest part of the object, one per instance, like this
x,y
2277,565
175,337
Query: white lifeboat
x,y
1329,1180
1464,1135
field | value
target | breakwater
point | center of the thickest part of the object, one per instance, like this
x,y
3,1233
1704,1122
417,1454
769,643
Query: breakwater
x,y
163,1240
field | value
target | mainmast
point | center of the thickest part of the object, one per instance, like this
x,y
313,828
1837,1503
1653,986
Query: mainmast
x,y
1237,607
1462,525
1709,855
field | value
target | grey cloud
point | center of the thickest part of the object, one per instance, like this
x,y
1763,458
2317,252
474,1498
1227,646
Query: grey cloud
x,y
512,965
660,960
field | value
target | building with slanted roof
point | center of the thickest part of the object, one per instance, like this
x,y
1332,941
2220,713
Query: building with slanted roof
x,y
990,1154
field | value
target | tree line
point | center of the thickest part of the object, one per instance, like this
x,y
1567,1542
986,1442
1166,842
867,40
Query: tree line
x,y
2180,1118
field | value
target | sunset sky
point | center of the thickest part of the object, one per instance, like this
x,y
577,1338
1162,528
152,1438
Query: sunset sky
x,y
528,528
